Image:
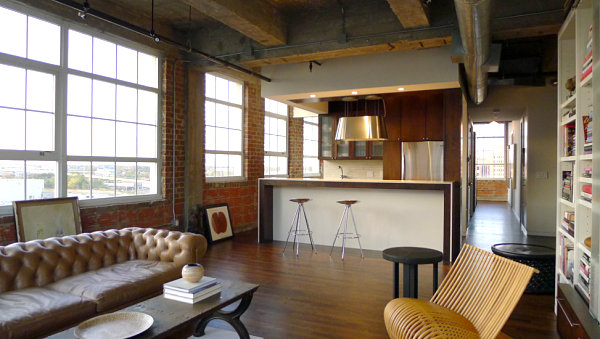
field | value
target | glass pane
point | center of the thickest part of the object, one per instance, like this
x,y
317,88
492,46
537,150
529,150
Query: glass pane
x,y
235,92
12,181
80,51
282,165
222,139
377,148
40,131
79,96
310,165
147,107
12,86
13,26
78,179
273,124
281,127
79,136
489,171
281,144
103,100
489,130
126,139
267,144
209,136
146,141
235,165
343,148
489,151
126,64
235,141
266,167
41,183
266,124
40,91
103,138
210,86
43,41
272,143
221,116
147,182
222,165
209,165
125,178
222,88
326,136
105,58
12,129
126,104
209,113
360,148
103,179
235,118
147,70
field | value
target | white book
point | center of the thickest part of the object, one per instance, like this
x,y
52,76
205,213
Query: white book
x,y
190,301
207,290
188,287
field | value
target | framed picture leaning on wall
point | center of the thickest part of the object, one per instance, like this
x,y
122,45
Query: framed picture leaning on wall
x,y
45,218
219,222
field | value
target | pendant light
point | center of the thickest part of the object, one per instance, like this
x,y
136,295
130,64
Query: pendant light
x,y
362,128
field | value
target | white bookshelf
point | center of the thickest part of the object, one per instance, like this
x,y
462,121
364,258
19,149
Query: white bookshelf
x,y
572,51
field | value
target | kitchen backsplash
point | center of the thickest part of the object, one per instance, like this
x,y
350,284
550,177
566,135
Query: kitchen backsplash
x,y
353,169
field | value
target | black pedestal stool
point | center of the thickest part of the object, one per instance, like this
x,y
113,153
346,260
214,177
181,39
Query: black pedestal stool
x,y
412,257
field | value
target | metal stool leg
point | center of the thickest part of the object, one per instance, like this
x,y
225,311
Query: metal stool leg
x,y
296,238
312,245
291,229
337,232
356,232
345,231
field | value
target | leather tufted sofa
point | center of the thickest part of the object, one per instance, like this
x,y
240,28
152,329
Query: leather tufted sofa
x,y
47,285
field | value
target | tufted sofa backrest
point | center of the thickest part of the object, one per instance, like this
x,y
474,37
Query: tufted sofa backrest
x,y
40,262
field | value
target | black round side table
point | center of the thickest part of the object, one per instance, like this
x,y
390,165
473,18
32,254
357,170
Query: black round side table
x,y
411,258
536,256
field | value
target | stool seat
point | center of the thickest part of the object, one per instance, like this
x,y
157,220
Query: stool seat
x,y
412,255
300,200
347,202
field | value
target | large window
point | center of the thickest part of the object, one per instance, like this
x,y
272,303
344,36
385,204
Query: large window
x,y
489,150
223,117
85,125
310,149
276,154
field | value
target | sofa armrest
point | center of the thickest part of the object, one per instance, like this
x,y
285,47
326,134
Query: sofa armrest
x,y
168,246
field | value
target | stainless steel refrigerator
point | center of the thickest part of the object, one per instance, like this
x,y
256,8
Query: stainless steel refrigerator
x,y
423,160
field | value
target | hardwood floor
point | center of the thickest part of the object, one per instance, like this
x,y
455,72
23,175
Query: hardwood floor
x,y
315,296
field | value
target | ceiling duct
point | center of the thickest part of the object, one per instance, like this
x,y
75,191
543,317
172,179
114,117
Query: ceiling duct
x,y
474,17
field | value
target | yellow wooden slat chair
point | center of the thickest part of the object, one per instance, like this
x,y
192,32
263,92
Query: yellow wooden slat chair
x,y
474,301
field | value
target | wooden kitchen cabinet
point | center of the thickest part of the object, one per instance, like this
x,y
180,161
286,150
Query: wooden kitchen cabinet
x,y
330,149
367,150
421,118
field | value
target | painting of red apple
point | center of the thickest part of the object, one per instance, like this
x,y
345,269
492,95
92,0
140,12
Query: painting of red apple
x,y
219,222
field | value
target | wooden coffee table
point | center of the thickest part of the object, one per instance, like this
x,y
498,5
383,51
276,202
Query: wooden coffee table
x,y
176,318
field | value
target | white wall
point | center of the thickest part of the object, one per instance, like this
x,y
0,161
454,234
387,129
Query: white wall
x,y
353,169
539,103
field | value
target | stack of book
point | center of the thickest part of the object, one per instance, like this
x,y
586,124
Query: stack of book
x,y
568,223
567,186
587,134
569,141
566,257
586,192
191,293
585,274
587,172
586,68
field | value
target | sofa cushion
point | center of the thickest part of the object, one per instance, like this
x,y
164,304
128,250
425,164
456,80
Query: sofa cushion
x,y
30,312
119,284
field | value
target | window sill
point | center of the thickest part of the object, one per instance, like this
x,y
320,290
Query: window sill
x,y
491,179
224,180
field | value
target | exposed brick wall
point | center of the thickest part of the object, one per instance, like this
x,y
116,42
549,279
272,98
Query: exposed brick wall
x,y
295,149
155,214
496,190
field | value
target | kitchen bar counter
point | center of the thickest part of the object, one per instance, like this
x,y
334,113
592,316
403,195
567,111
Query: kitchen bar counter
x,y
390,212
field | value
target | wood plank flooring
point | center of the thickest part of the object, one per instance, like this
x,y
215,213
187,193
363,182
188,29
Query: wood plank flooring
x,y
315,296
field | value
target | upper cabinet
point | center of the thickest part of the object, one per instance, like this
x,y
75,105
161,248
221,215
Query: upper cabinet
x,y
344,150
415,116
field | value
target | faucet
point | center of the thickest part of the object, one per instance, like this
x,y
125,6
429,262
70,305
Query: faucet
x,y
342,170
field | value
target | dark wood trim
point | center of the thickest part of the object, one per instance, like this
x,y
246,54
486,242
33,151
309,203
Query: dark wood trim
x,y
451,204
577,311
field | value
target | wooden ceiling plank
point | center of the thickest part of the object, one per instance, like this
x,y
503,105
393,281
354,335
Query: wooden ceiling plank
x,y
257,19
411,13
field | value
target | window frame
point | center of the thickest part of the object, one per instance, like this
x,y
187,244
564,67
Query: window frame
x,y
285,154
315,124
242,153
61,71
504,162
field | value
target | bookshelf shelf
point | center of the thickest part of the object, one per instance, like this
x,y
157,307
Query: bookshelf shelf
x,y
585,180
570,102
566,235
587,81
586,157
584,249
567,202
568,120
585,203
573,158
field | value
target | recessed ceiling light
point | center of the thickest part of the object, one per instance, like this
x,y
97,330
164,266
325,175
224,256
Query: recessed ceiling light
x,y
401,89
354,92
313,95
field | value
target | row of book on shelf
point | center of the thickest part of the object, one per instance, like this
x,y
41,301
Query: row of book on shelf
x,y
568,223
586,67
587,133
586,192
584,275
567,185
566,257
191,293
569,140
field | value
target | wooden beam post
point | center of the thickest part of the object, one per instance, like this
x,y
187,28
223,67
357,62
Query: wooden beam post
x,y
411,13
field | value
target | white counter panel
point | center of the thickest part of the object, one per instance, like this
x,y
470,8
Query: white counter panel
x,y
384,217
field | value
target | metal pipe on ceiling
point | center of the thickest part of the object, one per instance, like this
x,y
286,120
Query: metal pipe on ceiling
x,y
86,10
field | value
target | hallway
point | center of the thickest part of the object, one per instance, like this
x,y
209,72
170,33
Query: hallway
x,y
494,222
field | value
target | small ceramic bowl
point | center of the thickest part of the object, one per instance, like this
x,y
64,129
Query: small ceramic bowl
x,y
192,272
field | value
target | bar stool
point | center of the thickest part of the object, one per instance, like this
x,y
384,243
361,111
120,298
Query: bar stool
x,y
345,234
295,227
